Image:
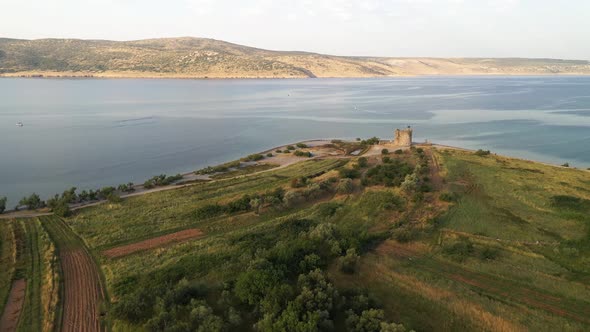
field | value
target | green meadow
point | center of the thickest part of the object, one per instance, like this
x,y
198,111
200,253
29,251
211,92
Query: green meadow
x,y
423,240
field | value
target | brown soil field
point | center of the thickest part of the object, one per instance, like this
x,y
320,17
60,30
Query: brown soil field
x,y
156,242
82,293
14,306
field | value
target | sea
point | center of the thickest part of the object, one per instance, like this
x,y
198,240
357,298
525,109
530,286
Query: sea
x,y
91,133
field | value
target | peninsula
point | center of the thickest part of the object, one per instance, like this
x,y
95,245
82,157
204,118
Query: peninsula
x,y
189,57
372,235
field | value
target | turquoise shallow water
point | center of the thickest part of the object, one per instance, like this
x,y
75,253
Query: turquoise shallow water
x,y
95,132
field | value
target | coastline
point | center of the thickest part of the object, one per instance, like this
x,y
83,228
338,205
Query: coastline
x,y
143,75
191,178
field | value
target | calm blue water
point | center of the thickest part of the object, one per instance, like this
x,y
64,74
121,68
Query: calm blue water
x,y
95,132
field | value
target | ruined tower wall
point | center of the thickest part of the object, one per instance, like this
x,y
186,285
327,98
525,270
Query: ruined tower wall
x,y
403,137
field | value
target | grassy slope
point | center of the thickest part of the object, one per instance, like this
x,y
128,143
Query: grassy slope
x,y
538,278
196,57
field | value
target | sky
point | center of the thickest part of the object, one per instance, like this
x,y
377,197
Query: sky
x,y
433,28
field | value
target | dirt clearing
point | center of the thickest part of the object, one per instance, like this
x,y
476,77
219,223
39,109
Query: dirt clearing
x,y
156,242
14,306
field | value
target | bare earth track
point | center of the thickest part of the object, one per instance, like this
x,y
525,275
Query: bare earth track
x,y
14,306
83,289
82,293
156,242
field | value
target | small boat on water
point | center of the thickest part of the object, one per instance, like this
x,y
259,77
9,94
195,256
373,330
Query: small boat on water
x,y
19,124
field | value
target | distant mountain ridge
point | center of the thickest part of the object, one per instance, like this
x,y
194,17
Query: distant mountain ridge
x,y
189,57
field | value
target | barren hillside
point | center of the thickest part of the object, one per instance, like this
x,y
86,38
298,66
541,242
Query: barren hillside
x,y
198,58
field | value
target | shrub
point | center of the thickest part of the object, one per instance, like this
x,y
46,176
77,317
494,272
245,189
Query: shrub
x,y
349,173
363,162
269,154
209,211
482,153
159,180
241,204
254,157
292,198
279,151
460,250
62,208
345,186
566,165
370,141
489,253
448,196
386,160
399,151
301,145
290,147
389,174
302,154
114,198
385,151
349,261
2,204
410,183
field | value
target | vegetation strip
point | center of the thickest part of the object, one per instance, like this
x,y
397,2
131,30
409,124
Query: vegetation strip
x,y
14,307
185,235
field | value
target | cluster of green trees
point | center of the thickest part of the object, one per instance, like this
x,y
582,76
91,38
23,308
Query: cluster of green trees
x,y
219,168
300,153
161,180
253,157
280,284
370,141
32,202
245,203
390,173
60,204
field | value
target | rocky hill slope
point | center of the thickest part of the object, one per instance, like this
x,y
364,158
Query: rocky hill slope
x,y
199,58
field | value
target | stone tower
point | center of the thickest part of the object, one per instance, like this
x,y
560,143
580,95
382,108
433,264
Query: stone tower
x,y
403,137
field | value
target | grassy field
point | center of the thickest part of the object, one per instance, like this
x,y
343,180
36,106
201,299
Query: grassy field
x,y
435,240
28,253
510,254
7,260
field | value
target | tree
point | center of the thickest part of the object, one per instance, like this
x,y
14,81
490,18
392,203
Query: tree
x,y
410,183
61,208
384,151
3,200
32,202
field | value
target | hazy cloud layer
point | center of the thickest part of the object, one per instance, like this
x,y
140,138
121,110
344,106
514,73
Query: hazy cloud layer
x,y
499,28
